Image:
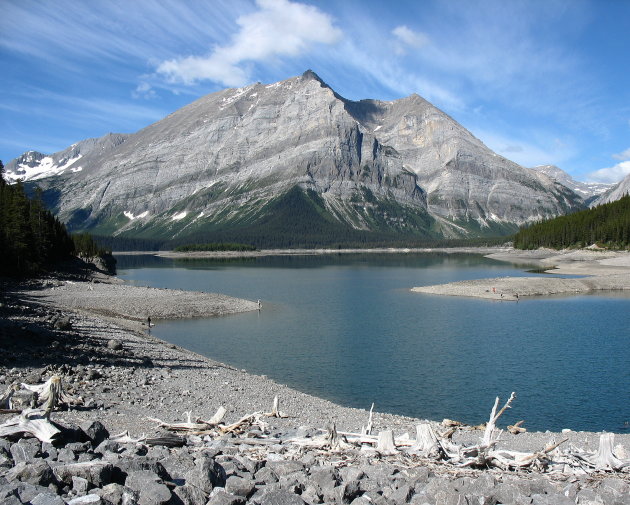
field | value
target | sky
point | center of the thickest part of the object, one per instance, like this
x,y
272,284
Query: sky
x,y
538,81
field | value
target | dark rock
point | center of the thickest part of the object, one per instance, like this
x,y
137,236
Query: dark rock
x,y
47,498
63,324
5,461
78,447
134,464
80,485
49,451
96,432
71,434
107,446
97,473
351,473
239,486
9,496
220,497
177,464
551,499
66,455
311,495
26,492
294,482
285,467
401,495
348,491
324,479
37,472
280,497
116,494
151,489
377,499
115,344
265,476
190,495
506,492
206,474
250,465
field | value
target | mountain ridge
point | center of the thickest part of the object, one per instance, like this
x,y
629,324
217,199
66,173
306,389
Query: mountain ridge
x,y
399,167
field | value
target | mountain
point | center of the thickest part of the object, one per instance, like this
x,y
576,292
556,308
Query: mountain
x,y
588,191
271,162
618,191
33,165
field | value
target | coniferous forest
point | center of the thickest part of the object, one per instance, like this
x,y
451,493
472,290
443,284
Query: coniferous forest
x,y
607,225
31,238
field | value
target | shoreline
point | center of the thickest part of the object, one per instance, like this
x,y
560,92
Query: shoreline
x,y
170,370
313,252
598,271
142,377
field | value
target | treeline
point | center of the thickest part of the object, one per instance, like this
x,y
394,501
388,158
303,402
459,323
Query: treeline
x,y
86,246
221,246
31,238
607,225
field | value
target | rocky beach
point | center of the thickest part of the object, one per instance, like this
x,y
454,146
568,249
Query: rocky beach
x,y
92,333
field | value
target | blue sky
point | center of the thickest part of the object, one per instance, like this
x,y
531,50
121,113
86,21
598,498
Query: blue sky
x,y
539,81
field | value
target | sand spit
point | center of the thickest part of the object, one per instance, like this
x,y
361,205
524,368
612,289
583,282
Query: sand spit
x,y
604,271
136,303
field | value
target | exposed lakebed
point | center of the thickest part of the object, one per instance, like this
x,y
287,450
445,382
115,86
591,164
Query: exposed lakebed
x,y
347,328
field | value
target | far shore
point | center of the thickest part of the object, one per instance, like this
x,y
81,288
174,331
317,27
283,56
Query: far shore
x,y
595,270
319,251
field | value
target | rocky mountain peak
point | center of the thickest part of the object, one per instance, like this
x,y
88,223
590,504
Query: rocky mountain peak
x,y
235,158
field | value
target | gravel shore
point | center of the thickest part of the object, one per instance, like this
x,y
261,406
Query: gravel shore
x,y
602,271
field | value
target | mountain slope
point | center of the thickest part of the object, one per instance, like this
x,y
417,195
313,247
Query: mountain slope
x,y
615,193
588,191
227,161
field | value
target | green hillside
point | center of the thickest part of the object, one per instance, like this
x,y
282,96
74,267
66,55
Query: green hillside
x,y
607,225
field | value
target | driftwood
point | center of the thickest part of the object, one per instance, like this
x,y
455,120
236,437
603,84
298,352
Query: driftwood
x,y
5,399
427,448
52,395
33,422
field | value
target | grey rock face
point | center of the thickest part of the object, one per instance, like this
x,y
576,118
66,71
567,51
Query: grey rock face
x,y
221,159
586,190
615,193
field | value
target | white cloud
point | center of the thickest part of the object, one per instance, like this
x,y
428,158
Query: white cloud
x,y
622,156
144,90
612,174
279,28
408,37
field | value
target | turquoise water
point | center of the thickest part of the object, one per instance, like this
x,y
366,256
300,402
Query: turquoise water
x,y
347,328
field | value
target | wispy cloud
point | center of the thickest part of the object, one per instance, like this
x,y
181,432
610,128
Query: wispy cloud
x,y
531,149
622,156
407,38
612,174
279,28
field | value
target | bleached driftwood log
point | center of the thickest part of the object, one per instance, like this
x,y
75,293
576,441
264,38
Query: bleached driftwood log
x,y
5,399
385,444
52,394
34,422
605,458
490,434
427,442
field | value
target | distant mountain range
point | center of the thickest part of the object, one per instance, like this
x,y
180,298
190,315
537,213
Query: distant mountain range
x,y
294,163
588,191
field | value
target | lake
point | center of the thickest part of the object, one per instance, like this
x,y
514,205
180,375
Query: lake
x,y
346,327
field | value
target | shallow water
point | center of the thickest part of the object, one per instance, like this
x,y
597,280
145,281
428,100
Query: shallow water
x,y
347,328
